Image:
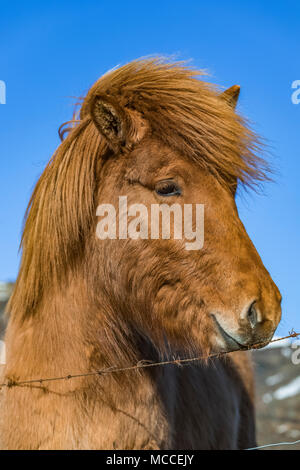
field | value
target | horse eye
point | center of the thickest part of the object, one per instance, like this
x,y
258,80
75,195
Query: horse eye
x,y
167,188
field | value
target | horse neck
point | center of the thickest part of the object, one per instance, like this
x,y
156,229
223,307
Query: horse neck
x,y
71,333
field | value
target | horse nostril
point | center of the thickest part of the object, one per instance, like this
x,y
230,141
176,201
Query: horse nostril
x,y
252,315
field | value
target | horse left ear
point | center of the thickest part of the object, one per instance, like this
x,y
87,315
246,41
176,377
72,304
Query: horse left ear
x,y
231,95
111,120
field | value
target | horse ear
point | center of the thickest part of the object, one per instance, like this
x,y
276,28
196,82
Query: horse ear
x,y
231,95
111,120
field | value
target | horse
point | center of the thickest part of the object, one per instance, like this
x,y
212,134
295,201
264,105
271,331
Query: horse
x,y
154,131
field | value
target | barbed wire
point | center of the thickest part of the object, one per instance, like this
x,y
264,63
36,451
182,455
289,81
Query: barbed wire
x,y
144,364
140,365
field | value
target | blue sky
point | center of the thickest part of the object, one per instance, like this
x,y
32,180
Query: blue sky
x,y
52,51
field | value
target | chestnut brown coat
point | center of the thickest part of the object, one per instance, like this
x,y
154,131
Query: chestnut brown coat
x,y
81,304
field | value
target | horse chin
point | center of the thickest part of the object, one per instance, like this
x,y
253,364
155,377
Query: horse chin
x,y
225,344
221,346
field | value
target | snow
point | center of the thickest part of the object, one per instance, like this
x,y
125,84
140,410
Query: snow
x,y
267,398
2,352
285,352
294,433
289,390
285,343
274,379
4,291
282,428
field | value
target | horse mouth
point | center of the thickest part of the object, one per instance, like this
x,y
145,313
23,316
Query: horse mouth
x,y
231,343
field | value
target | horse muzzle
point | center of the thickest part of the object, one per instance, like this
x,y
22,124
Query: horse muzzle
x,y
251,332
